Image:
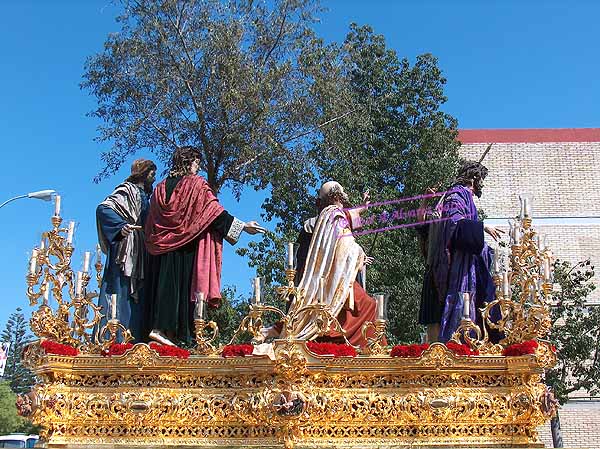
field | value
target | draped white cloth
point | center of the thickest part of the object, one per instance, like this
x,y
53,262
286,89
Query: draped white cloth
x,y
334,256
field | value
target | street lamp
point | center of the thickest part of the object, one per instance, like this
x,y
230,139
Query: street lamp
x,y
45,195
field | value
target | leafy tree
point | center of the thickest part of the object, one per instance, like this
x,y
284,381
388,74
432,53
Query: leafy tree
x,y
389,137
229,314
10,422
223,76
576,334
270,105
16,333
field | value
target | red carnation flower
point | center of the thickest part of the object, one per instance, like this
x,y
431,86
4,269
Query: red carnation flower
x,y
52,347
334,349
237,350
461,349
408,350
170,351
518,349
117,349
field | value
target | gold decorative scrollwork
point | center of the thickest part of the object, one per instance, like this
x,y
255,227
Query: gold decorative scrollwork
x,y
515,321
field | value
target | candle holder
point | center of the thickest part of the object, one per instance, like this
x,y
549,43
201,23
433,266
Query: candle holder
x,y
204,343
76,317
56,221
98,266
375,344
288,292
109,334
253,322
527,316
321,316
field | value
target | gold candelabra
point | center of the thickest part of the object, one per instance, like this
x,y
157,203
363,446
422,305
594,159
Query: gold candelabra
x,y
320,314
204,343
520,309
374,334
110,332
76,319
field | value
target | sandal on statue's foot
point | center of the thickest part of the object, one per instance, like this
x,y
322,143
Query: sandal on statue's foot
x,y
159,337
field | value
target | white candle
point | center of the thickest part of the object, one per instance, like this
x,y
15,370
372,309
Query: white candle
x,y
113,303
505,285
379,299
257,290
47,293
199,309
516,236
541,242
351,297
86,261
511,232
521,209
71,232
79,284
290,255
57,206
466,305
98,253
497,260
546,269
321,290
33,261
526,207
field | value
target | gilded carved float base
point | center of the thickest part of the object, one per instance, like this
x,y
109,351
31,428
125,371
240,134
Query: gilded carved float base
x,y
298,400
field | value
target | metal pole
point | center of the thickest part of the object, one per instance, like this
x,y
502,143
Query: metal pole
x,y
12,199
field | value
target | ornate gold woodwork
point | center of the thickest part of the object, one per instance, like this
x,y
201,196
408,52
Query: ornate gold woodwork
x,y
297,400
527,318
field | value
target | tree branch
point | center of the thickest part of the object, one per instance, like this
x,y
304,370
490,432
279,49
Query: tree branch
x,y
279,35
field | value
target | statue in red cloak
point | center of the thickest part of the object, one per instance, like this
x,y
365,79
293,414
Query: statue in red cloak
x,y
185,229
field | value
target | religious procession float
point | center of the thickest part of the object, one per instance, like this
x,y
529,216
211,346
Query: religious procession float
x,y
95,389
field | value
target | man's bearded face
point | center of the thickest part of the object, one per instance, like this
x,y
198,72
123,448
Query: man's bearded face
x,y
149,181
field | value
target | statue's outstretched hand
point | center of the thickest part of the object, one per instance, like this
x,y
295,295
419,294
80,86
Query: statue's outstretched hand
x,y
366,198
252,227
493,232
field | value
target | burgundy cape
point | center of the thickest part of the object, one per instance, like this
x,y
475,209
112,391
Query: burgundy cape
x,y
187,216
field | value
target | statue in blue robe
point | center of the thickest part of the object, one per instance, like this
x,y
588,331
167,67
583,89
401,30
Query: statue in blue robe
x,y
120,221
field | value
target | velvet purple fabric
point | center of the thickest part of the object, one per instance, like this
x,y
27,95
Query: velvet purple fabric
x,y
460,260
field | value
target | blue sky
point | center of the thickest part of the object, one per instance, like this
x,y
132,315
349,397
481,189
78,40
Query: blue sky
x,y
509,64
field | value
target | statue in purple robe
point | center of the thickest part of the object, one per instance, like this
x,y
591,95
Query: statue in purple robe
x,y
458,259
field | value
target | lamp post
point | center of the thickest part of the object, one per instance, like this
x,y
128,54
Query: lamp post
x,y
45,195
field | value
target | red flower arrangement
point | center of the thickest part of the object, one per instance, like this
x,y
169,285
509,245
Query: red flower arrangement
x,y
170,351
408,350
461,349
335,349
117,349
517,349
237,350
51,347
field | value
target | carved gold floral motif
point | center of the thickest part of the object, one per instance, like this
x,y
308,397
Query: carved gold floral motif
x,y
298,400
